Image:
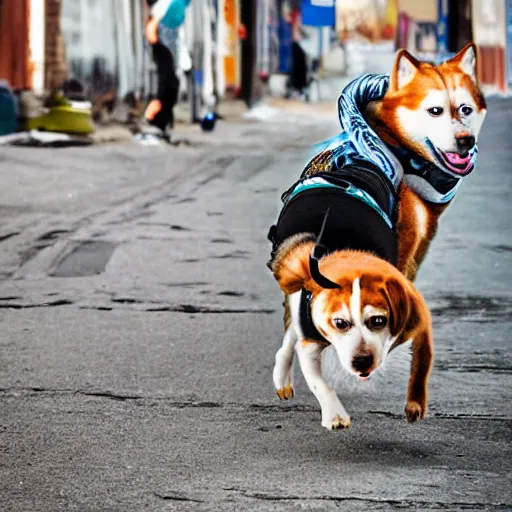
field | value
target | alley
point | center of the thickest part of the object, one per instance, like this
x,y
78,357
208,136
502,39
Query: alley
x,y
140,323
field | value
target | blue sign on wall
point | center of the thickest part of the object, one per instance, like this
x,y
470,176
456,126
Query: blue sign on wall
x,y
509,43
442,27
285,46
318,13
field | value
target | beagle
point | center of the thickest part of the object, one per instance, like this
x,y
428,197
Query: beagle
x,y
360,304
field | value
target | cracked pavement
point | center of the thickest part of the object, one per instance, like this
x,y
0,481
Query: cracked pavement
x,y
140,323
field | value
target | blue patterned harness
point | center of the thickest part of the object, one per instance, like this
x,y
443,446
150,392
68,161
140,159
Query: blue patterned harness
x,y
359,145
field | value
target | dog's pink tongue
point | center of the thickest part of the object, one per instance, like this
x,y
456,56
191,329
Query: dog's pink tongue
x,y
456,159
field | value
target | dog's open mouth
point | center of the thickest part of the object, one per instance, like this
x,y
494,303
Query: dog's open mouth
x,y
460,165
456,163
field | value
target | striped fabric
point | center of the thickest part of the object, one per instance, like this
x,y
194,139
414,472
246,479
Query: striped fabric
x,y
358,142
267,39
364,142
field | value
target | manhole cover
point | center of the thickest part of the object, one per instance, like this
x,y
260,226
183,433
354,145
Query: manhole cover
x,y
86,259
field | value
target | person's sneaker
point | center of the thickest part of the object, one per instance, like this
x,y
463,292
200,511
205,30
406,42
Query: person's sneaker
x,y
150,135
148,139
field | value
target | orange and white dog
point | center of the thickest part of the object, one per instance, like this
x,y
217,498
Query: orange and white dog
x,y
429,114
366,310
380,194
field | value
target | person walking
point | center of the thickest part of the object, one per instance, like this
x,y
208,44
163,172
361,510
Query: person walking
x,y
158,117
298,77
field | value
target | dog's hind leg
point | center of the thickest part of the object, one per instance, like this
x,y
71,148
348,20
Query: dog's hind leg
x,y
282,374
334,415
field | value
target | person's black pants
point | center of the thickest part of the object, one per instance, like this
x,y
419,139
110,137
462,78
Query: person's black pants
x,y
168,86
299,71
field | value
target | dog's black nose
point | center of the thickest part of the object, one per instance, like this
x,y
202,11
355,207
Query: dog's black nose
x,y
362,362
465,143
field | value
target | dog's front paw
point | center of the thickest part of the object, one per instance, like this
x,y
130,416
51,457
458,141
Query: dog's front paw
x,y
415,410
285,393
337,422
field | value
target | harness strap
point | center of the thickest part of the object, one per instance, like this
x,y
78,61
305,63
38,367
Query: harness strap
x,y
309,330
318,251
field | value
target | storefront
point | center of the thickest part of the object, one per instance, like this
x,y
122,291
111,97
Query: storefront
x,y
489,23
102,46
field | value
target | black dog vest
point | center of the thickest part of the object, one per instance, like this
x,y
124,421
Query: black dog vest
x,y
361,206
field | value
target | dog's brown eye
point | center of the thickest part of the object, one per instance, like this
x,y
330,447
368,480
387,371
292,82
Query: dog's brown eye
x,y
465,110
435,111
341,324
377,322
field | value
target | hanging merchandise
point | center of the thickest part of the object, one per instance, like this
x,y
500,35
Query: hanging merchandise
x,y
208,89
210,85
318,13
92,47
220,49
183,61
262,38
125,55
231,16
194,41
141,77
267,49
509,44
171,13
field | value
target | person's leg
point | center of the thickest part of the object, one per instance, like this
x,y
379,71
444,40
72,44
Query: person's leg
x,y
301,72
292,79
298,74
159,111
152,109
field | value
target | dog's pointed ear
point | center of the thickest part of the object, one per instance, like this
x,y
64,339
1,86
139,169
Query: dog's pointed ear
x,y
408,310
404,70
466,59
291,265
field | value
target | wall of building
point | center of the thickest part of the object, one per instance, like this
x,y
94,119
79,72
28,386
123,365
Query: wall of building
x,y
14,43
56,69
490,34
420,10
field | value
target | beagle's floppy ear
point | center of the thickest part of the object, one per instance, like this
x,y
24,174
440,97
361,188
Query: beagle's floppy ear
x,y
407,307
404,69
291,264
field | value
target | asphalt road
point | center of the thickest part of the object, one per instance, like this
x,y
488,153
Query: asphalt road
x,y
140,323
